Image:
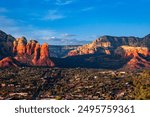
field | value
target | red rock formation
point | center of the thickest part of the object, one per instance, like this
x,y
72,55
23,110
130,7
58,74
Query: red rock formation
x,y
128,51
36,54
95,47
107,44
41,56
30,47
31,53
44,56
73,53
20,46
44,51
15,47
107,52
137,63
7,62
136,55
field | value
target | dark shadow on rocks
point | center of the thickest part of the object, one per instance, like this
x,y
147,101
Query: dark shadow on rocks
x,y
96,61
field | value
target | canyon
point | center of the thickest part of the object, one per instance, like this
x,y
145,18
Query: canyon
x,y
106,52
135,51
110,68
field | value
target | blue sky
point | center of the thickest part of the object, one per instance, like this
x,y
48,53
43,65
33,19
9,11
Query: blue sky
x,y
74,21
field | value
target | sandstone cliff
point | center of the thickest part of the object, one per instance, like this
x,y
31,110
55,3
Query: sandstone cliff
x,y
137,56
29,53
106,52
129,51
32,53
8,61
107,45
134,50
97,46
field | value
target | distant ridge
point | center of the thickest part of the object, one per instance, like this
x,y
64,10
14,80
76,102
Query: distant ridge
x,y
106,52
137,50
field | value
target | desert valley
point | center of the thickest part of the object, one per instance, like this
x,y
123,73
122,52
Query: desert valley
x,y
110,67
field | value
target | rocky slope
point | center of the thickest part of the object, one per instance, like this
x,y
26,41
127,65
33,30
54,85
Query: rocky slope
x,y
31,53
107,45
106,52
8,61
28,53
6,44
129,51
92,48
137,55
135,51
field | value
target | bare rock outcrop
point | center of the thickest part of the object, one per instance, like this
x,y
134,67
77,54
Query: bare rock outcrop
x,y
20,46
30,47
6,45
19,50
137,56
97,46
8,61
129,51
107,45
32,53
41,56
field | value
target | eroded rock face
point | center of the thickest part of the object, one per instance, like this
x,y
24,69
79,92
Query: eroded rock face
x,y
36,53
92,48
134,50
30,47
6,45
128,51
44,51
20,46
107,45
102,50
7,62
137,63
44,55
137,56
32,53
29,53
41,56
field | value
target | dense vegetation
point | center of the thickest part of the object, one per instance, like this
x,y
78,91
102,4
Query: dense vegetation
x,y
142,85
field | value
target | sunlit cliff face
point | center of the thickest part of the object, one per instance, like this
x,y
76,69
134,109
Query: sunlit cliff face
x,y
128,51
23,51
31,52
135,54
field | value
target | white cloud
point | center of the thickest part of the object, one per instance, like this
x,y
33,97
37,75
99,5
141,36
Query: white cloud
x,y
66,39
5,21
88,9
53,15
16,29
3,10
68,35
63,2
42,34
46,0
